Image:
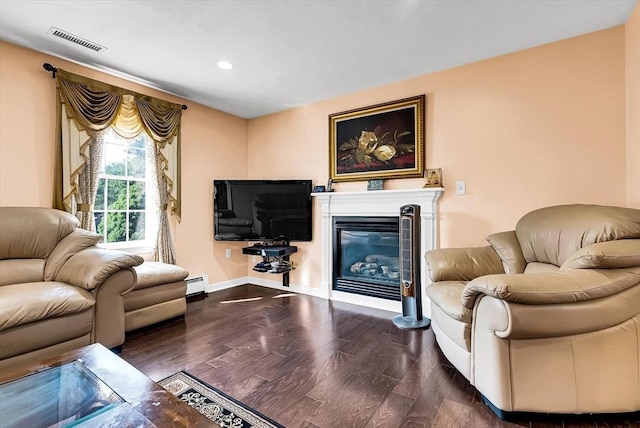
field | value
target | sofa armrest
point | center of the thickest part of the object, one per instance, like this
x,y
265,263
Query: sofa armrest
x,y
91,267
508,249
73,243
515,321
574,285
109,325
462,264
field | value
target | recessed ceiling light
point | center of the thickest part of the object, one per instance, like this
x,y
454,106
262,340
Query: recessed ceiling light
x,y
225,65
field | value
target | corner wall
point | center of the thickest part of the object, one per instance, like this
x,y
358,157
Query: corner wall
x,y
214,144
538,127
632,47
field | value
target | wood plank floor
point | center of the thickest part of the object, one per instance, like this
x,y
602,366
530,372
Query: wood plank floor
x,y
309,362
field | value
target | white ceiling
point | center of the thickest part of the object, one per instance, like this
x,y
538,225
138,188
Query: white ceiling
x,y
288,53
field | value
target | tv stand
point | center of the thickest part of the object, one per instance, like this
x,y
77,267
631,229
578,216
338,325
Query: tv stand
x,y
275,258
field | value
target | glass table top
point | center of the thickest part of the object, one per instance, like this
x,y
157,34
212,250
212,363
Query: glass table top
x,y
65,396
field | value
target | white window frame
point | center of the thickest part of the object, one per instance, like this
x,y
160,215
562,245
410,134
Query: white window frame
x,y
139,246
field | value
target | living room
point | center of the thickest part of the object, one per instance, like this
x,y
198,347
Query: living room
x,y
548,125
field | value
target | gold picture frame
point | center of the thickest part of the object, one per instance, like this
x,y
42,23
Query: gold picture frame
x,y
381,141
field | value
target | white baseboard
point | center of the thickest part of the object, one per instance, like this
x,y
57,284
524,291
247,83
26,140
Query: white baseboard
x,y
355,299
295,288
370,302
222,285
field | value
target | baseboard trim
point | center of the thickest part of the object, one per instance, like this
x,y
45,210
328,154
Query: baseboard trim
x,y
367,301
223,285
354,299
296,288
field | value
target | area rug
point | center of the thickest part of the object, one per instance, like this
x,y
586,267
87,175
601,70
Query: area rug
x,y
215,404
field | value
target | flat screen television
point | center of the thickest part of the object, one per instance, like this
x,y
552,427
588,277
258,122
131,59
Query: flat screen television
x,y
262,210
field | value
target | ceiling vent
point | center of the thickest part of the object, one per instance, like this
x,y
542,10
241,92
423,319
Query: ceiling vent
x,y
75,39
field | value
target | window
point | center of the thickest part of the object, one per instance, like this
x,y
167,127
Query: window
x,y
123,208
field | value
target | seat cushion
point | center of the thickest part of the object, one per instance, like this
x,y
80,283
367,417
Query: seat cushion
x,y
150,296
34,301
25,338
447,296
151,274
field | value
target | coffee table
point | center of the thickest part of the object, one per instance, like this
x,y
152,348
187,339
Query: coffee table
x,y
89,387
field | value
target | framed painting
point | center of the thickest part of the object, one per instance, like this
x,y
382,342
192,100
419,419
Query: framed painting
x,y
378,142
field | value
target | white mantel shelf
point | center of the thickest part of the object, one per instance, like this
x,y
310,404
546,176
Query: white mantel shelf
x,y
377,203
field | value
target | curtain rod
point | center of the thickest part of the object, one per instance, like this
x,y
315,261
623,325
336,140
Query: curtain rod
x,y
50,68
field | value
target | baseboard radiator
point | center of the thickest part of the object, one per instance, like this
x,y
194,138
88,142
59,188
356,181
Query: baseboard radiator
x,y
196,284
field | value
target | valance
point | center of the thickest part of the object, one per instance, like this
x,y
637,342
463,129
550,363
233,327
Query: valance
x,y
93,106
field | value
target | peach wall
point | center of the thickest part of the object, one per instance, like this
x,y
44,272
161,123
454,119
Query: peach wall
x,y
632,46
538,127
214,145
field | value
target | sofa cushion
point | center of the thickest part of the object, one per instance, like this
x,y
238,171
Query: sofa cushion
x,y
553,234
31,232
457,331
535,267
462,264
34,301
447,296
150,296
507,247
155,273
606,255
49,332
15,271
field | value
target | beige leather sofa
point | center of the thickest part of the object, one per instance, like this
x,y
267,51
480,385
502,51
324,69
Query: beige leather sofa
x,y
547,318
58,291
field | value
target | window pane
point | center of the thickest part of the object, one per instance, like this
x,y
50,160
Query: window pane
x,y
137,195
100,223
136,226
116,227
115,157
99,204
136,166
117,194
138,142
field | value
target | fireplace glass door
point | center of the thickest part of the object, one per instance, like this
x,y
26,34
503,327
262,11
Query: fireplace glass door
x,y
366,256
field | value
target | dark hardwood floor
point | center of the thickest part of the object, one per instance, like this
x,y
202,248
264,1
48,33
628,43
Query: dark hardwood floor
x,y
309,362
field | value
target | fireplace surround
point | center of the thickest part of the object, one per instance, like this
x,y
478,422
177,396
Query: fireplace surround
x,y
379,203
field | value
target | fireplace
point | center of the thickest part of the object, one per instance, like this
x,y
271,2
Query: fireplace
x,y
366,256
367,204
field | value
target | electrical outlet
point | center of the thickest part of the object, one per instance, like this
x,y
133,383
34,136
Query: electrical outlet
x,y
228,253
461,188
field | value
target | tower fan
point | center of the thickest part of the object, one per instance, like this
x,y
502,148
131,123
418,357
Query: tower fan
x,y
410,289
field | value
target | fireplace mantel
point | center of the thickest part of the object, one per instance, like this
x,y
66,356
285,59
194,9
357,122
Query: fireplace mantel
x,y
377,203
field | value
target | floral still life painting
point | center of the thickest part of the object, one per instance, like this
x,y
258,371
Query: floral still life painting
x,y
380,141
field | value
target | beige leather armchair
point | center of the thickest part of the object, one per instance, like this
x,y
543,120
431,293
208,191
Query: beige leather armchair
x,y
547,318
58,291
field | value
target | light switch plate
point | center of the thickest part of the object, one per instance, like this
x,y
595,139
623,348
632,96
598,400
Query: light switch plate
x,y
461,188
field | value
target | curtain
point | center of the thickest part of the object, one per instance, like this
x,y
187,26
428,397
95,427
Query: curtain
x,y
88,182
164,249
85,107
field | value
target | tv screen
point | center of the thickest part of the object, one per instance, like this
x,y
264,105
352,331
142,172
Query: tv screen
x,y
262,210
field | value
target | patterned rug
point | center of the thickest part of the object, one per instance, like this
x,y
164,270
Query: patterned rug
x,y
214,404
